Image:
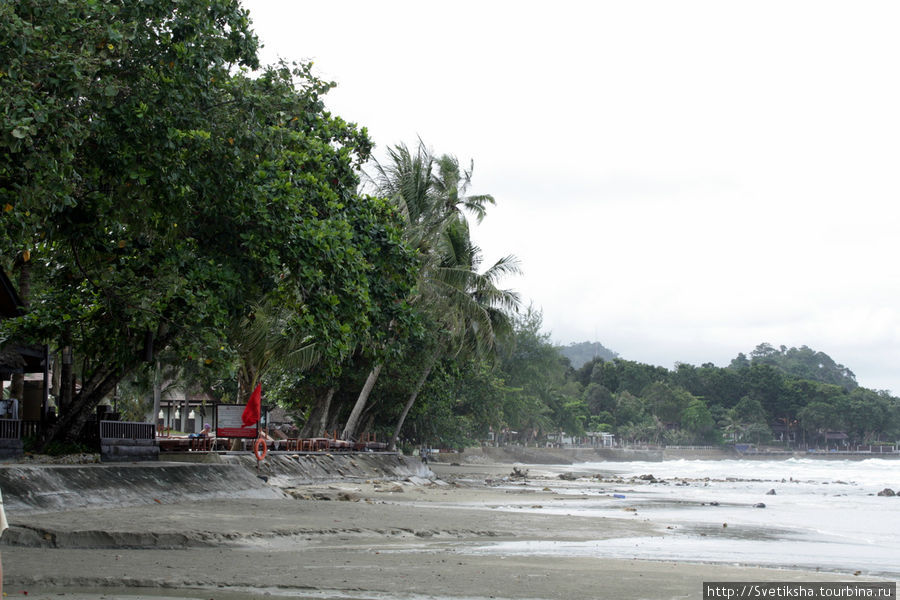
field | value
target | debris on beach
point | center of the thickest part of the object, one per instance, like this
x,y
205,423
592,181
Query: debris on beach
x,y
519,473
415,480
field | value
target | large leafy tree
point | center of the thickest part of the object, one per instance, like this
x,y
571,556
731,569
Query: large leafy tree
x,y
539,396
159,190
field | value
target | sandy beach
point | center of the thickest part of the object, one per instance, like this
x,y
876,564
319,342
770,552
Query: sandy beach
x,y
375,539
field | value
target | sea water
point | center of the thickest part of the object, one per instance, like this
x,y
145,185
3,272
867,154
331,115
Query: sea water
x,y
824,514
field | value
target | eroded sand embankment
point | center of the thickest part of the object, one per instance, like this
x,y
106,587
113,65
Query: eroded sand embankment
x,y
41,488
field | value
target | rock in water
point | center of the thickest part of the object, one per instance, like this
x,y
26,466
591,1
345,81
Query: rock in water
x,y
887,492
759,505
770,493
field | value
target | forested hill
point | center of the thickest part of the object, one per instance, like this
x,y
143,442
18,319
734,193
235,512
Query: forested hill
x,y
584,352
803,362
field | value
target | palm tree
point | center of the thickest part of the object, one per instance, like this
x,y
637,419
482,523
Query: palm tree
x,y
468,307
268,338
431,195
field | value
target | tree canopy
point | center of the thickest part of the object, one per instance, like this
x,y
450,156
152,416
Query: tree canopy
x,y
159,187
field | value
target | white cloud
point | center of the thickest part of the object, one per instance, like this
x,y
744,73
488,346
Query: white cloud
x,y
681,180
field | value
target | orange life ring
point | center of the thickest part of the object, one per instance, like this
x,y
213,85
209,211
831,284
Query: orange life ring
x,y
260,449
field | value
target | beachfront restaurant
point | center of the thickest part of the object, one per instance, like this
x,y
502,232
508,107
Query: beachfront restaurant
x,y
183,412
186,413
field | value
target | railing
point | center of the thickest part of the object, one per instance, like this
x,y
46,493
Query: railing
x,y
10,429
17,429
32,428
127,430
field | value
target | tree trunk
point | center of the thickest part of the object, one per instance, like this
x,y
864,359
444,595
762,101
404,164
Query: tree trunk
x,y
370,422
318,416
420,383
66,378
81,406
353,419
323,421
248,377
55,369
68,427
157,396
333,422
17,383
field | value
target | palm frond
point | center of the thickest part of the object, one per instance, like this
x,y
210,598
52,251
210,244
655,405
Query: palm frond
x,y
468,306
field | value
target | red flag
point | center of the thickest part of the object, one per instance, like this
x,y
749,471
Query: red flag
x,y
250,415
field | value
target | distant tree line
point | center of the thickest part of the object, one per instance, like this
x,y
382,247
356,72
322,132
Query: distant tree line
x,y
795,394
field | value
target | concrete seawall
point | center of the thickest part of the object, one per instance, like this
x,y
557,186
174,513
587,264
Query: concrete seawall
x,y
45,488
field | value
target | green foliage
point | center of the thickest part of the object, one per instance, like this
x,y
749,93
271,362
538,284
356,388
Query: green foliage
x,y
462,306
630,410
160,186
804,363
599,399
531,392
667,402
697,404
65,448
698,421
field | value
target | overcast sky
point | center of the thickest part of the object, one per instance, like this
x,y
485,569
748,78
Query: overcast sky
x,y
681,180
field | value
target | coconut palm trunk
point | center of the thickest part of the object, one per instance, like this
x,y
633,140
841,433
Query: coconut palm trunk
x,y
420,383
353,420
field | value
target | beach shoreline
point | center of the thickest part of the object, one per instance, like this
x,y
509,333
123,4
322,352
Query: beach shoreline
x,y
371,539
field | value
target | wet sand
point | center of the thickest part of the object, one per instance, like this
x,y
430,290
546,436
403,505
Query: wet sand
x,y
346,540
